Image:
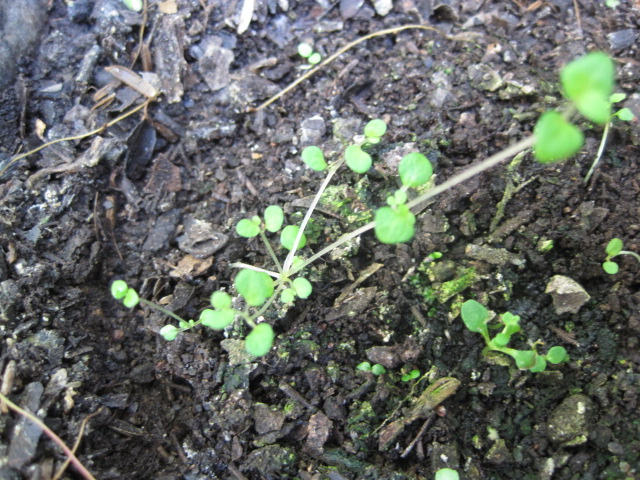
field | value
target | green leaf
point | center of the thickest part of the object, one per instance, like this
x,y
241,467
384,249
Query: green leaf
x,y
119,289
475,316
501,340
378,369
525,359
131,298
288,236
614,247
394,225
415,170
217,319
314,58
357,160
273,218
259,341
617,97
169,332
625,114
610,267
303,287
375,128
313,158
557,355
540,365
364,366
255,287
135,5
588,82
288,295
556,138
305,50
220,300
447,474
247,228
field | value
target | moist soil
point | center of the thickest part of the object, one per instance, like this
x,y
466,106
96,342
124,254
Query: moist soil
x,y
154,200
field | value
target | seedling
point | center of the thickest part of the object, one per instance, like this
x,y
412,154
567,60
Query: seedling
x,y
306,51
613,249
476,318
376,368
412,375
588,87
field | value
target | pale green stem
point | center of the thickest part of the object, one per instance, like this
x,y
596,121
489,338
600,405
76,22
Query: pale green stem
x,y
253,267
627,252
603,143
289,260
161,309
267,244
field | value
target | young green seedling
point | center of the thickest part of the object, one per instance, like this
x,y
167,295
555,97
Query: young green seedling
x,y
447,474
306,51
376,369
613,249
476,317
587,83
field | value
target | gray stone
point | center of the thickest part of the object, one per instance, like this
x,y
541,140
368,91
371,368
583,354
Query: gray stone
x,y
568,295
570,423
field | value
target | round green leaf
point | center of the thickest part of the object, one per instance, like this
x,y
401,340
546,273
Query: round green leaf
x,y
364,366
131,298
378,369
288,295
557,355
288,236
394,225
314,58
475,316
260,340
273,218
135,5
247,228
447,474
525,359
119,289
556,138
501,340
614,247
588,82
217,319
169,332
357,160
375,128
617,97
254,286
415,170
540,366
303,287
625,114
220,300
313,158
305,50
610,267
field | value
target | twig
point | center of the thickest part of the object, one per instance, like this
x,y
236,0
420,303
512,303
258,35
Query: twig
x,y
51,434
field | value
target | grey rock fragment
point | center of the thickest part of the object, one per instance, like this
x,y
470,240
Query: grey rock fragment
x,y
312,130
621,39
568,295
382,7
495,256
25,435
318,428
570,422
349,8
214,65
267,420
385,356
162,231
200,239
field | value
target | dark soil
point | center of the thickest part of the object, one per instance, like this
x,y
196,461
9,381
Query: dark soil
x,y
133,202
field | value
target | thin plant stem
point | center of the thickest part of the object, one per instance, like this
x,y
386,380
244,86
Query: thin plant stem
x,y
627,252
289,260
51,434
157,307
603,143
253,267
267,244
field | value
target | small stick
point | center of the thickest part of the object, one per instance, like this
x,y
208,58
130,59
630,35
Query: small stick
x,y
51,434
64,466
